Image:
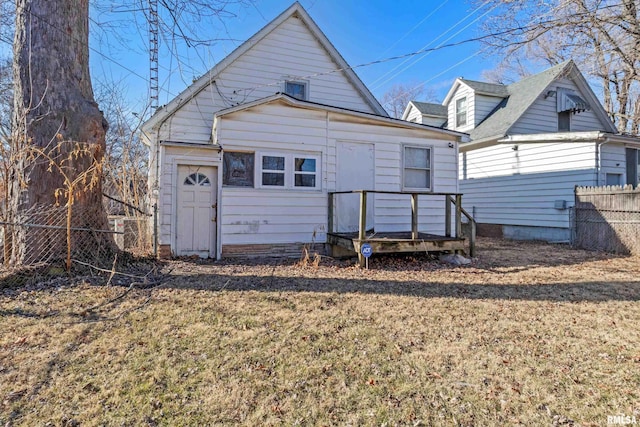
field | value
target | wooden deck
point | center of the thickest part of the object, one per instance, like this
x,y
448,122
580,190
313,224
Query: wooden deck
x,y
400,242
349,244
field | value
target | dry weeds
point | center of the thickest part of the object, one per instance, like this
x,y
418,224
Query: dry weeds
x,y
528,334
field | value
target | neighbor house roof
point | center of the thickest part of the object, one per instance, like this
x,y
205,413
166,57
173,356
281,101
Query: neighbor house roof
x,y
430,109
295,9
522,94
483,88
295,102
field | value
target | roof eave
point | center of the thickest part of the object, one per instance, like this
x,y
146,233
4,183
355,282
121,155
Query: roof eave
x,y
460,136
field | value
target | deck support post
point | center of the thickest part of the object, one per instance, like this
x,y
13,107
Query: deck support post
x,y
362,226
458,215
447,215
472,239
414,216
330,209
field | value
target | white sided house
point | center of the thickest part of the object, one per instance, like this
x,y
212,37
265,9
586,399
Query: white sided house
x,y
532,142
243,161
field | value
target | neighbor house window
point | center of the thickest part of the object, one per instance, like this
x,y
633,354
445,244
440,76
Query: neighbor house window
x,y
296,89
238,169
290,170
613,179
417,170
461,112
564,121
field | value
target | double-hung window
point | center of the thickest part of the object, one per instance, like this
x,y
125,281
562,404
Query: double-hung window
x,y
289,170
461,112
417,168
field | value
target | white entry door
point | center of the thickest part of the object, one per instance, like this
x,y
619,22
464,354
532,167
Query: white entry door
x,y
355,171
196,211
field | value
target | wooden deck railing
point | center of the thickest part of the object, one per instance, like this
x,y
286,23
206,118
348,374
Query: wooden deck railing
x,y
450,199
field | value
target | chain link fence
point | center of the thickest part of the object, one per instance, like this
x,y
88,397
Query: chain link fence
x,y
48,241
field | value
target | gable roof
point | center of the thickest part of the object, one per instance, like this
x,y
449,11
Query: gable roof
x,y
481,88
299,103
522,94
426,109
205,80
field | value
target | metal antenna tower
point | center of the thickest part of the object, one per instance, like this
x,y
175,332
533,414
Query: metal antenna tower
x,y
153,55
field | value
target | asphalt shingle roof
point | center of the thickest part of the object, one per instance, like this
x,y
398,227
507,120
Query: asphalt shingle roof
x,y
483,88
519,97
431,109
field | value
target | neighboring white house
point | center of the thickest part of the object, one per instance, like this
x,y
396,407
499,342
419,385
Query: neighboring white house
x,y
242,160
531,143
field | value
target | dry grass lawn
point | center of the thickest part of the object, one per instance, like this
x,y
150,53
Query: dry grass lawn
x,y
528,334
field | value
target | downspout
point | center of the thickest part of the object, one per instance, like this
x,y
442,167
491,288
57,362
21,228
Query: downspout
x,y
599,160
156,191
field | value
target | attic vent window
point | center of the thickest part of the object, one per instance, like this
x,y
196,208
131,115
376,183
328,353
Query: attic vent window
x,y
296,89
570,102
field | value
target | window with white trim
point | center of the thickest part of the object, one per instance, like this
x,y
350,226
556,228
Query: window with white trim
x,y
461,112
416,168
288,170
273,171
296,89
304,173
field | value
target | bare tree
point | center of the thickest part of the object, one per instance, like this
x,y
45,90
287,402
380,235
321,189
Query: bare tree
x,y
602,36
395,100
57,145
126,158
58,131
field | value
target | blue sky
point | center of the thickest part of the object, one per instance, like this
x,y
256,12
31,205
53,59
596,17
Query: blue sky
x,y
362,30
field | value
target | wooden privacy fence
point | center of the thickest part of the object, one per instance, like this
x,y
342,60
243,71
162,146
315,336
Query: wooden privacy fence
x,y
608,219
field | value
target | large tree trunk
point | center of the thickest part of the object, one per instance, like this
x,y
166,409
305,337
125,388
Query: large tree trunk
x,y
58,132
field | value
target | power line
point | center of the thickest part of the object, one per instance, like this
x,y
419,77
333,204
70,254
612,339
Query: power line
x,y
87,44
414,27
451,28
511,31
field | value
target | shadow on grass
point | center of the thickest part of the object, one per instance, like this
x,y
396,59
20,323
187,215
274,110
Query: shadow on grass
x,y
497,259
591,291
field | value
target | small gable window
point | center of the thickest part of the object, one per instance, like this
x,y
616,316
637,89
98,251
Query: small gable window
x,y
296,89
461,112
568,102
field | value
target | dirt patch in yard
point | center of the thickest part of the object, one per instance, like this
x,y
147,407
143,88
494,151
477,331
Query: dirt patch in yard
x,y
529,334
